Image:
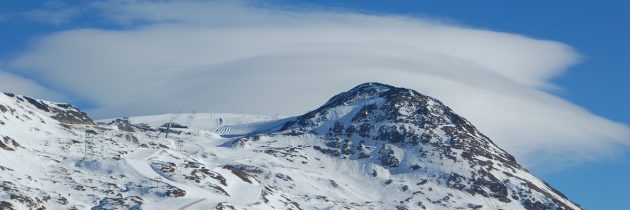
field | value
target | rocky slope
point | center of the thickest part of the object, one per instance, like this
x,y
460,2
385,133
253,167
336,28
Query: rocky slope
x,y
373,147
406,132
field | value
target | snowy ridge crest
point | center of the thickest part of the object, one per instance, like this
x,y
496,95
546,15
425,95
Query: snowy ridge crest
x,y
373,147
62,112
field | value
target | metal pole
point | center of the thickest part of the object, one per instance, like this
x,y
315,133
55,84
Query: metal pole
x,y
168,128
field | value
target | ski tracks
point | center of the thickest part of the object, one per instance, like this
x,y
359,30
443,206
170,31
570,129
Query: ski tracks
x,y
223,130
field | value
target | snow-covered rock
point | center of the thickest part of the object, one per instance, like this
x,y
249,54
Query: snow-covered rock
x,y
373,147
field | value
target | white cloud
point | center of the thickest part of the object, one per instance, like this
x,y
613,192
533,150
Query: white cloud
x,y
233,57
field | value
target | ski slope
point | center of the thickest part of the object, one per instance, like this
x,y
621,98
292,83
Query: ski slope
x,y
197,121
224,124
349,154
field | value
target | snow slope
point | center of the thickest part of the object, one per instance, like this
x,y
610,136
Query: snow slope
x,y
373,147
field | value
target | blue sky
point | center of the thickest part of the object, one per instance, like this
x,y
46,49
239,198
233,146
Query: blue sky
x,y
597,31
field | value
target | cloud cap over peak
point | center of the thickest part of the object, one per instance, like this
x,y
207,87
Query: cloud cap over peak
x,y
239,57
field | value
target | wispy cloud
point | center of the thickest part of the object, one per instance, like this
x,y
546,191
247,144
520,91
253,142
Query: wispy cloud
x,y
50,12
233,57
55,17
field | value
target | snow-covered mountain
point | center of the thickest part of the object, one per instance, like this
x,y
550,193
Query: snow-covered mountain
x,y
373,147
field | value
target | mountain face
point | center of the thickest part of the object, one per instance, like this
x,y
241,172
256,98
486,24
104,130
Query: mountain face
x,y
406,132
21,113
373,147
61,112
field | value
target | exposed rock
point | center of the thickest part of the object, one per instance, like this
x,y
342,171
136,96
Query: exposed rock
x,y
428,132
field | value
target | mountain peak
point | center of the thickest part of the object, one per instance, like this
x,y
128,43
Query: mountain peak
x,y
396,103
384,114
366,91
61,112
379,87
406,132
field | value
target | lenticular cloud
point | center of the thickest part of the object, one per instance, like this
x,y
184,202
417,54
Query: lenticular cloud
x,y
233,57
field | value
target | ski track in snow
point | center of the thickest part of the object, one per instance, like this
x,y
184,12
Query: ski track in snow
x,y
223,130
139,161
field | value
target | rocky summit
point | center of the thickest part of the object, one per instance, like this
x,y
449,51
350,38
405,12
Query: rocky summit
x,y
373,147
